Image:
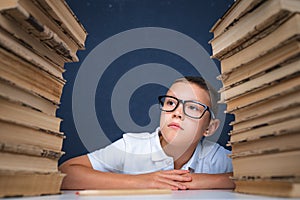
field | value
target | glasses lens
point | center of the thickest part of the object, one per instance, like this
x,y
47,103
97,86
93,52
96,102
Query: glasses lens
x,y
193,109
168,103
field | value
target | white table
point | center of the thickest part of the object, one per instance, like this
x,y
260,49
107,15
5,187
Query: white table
x,y
189,194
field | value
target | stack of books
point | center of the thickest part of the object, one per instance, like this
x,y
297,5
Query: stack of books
x,y
258,45
37,37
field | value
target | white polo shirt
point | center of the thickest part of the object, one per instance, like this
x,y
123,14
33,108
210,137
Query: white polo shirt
x,y
138,153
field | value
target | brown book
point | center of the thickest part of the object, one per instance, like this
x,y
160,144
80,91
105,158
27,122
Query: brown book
x,y
267,164
264,80
8,42
13,132
30,77
60,13
267,119
20,157
275,89
277,56
36,36
58,17
279,103
285,126
233,14
17,92
288,31
20,183
281,187
269,15
267,143
29,42
19,112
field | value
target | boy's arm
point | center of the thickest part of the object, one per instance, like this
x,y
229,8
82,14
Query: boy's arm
x,y
81,175
210,181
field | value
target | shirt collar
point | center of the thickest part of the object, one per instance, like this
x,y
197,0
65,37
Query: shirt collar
x,y
158,153
192,163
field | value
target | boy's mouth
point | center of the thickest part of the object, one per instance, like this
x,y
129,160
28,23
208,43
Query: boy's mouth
x,y
175,126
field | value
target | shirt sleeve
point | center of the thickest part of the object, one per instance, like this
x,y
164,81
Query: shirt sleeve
x,y
214,160
223,164
110,158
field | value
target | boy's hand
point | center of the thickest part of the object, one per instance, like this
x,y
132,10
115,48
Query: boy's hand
x,y
171,179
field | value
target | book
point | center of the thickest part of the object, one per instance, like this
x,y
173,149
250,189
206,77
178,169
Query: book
x,y
20,183
267,143
280,102
24,114
8,43
19,133
20,72
267,119
287,126
41,39
275,89
29,42
21,157
279,187
36,39
233,14
288,31
275,74
267,164
61,14
259,66
17,92
258,48
253,25
70,30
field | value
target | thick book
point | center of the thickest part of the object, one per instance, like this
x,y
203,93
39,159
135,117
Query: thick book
x,y
267,143
253,26
8,43
19,133
267,164
263,80
288,31
19,112
21,157
21,183
60,13
279,187
17,92
261,65
275,89
58,17
233,14
265,120
285,126
30,77
279,103
42,40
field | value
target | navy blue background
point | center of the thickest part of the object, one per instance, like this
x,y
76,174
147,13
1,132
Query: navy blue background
x,y
105,18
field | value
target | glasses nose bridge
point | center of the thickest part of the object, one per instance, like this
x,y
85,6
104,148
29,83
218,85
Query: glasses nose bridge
x,y
180,101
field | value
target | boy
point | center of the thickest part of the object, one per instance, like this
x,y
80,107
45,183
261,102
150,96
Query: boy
x,y
175,156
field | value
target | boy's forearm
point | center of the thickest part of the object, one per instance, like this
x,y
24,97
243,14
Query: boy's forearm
x,y
211,181
81,177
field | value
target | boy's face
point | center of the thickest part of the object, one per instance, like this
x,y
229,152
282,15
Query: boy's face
x,y
178,129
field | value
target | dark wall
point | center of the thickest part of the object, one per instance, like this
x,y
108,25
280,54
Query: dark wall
x,y
105,18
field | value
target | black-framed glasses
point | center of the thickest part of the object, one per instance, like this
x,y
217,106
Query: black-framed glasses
x,y
193,109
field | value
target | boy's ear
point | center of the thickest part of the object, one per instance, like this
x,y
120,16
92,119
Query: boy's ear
x,y
212,127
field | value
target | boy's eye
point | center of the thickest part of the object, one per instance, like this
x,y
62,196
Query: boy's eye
x,y
194,108
170,103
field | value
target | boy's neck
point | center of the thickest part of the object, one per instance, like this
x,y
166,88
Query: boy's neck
x,y
181,155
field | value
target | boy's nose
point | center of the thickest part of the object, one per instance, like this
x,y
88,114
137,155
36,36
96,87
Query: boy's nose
x,y
178,112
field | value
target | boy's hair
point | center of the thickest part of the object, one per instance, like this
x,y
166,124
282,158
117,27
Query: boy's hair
x,y
198,80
